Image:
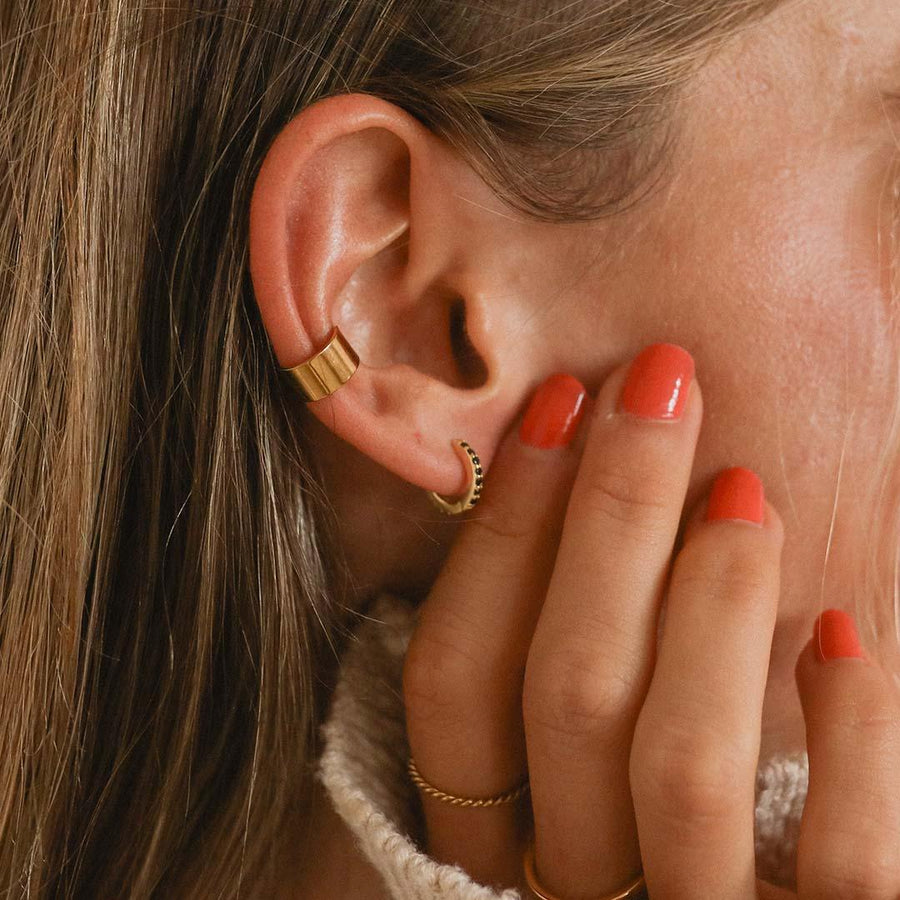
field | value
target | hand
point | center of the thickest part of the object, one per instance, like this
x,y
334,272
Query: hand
x,y
541,648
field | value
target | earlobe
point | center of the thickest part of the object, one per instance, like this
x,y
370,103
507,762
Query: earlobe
x,y
350,226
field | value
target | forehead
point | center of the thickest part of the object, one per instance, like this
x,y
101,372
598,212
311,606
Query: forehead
x,y
854,43
815,63
846,43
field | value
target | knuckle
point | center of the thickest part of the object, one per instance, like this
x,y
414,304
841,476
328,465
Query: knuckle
x,y
437,677
576,700
874,716
861,706
687,779
497,526
625,494
853,872
742,571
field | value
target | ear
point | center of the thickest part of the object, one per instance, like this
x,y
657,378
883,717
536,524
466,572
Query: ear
x,y
363,218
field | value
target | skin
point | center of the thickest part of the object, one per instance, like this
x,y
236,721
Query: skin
x,y
760,255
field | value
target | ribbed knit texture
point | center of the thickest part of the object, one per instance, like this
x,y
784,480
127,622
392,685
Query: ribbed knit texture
x,y
363,769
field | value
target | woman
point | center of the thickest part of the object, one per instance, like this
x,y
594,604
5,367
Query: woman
x,y
640,257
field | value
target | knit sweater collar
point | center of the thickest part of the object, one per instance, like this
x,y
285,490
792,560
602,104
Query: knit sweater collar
x,y
363,770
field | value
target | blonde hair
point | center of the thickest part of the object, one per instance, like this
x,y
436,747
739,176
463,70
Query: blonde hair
x,y
169,633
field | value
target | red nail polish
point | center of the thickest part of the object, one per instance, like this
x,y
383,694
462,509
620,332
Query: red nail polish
x,y
834,636
658,382
554,413
737,494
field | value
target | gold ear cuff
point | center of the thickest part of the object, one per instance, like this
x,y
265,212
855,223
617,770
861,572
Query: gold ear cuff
x,y
476,480
331,368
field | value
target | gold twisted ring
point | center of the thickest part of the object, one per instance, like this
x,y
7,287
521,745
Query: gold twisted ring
x,y
468,802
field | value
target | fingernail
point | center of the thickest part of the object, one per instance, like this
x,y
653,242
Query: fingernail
x,y
737,494
658,381
554,413
834,636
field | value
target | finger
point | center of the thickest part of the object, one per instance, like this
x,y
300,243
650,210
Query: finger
x,y
696,743
593,649
463,670
849,843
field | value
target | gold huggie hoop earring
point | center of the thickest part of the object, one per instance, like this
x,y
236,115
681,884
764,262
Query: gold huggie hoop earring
x,y
321,375
473,494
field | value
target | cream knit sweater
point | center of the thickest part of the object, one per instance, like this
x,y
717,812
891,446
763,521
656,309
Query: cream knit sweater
x,y
363,770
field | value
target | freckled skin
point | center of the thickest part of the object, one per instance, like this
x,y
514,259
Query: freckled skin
x,y
760,254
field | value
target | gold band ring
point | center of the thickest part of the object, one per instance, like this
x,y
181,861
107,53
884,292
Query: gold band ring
x,y
631,892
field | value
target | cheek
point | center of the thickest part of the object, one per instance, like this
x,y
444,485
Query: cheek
x,y
783,296
789,280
